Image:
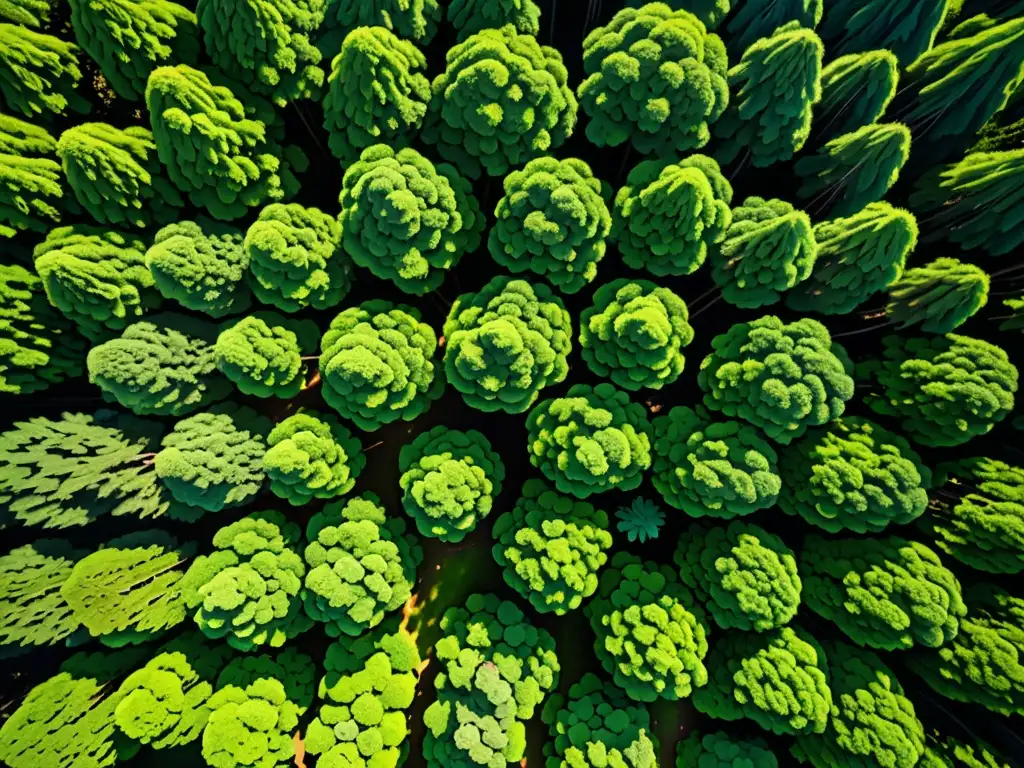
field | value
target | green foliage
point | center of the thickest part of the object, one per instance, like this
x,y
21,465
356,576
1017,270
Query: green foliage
x,y
854,169
978,515
249,589
377,364
414,20
312,456
265,45
130,591
755,21
552,220
940,296
218,147
872,722
1015,320
858,256
886,593
251,726
28,13
96,277
31,188
505,343
472,16
131,38
711,468
905,29
669,214
295,258
780,377
163,367
201,265
634,334
720,750
943,389
33,611
116,175
38,345
640,521
551,548
214,460
975,203
982,664
295,671
656,77
768,248
856,89
777,679
651,636
377,92
38,73
262,354
746,576
597,725
405,219
449,481
854,475
774,88
496,668
950,753
362,565
502,100
591,440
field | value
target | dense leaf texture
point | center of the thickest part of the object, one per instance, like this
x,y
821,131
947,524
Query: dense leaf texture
x,y
757,20
33,610
855,91
32,194
939,296
414,20
38,73
471,16
262,354
312,456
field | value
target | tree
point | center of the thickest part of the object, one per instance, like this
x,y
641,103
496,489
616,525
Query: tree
x,y
947,752
977,515
295,258
854,475
449,481
1015,320
312,456
774,89
295,671
718,749
656,77
757,21
721,469
651,636
405,219
943,389
551,548
38,345
768,248
502,100
596,724
201,265
31,189
96,277
982,664
780,377
590,441
505,343
264,45
668,215
377,364
777,679
710,12
262,354
854,169
251,726
232,160
640,521
872,721
908,30
249,589
38,73
746,576
34,611
975,203
940,296
414,20
886,593
116,175
377,93
634,334
856,89
471,16
361,565
27,13
552,220
163,367
858,256
131,38
214,460
130,591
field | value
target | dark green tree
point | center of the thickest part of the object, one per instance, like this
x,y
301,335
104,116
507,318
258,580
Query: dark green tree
x,y
947,752
414,20
32,194
710,12
262,354
718,749
33,611
856,89
758,20
940,296
905,29
312,456
641,520
39,73
471,16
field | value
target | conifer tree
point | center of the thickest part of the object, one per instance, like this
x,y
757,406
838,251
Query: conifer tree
x,y
32,610
939,296
32,194
27,13
471,16
758,20
415,20
907,29
312,456
856,89
38,73
116,175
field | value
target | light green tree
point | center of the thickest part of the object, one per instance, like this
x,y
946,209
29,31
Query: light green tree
x,y
39,73
32,193
939,296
